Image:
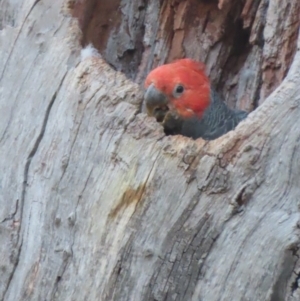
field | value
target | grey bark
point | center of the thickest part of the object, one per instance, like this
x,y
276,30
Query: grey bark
x,y
97,204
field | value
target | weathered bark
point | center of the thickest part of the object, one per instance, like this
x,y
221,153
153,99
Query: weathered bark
x,y
247,46
97,204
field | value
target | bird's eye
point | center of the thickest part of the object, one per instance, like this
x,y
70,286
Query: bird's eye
x,y
179,89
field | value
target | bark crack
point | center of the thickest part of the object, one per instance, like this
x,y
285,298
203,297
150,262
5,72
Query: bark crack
x,y
296,284
12,215
25,178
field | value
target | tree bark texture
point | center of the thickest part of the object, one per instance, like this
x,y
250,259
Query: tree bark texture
x,y
247,46
97,203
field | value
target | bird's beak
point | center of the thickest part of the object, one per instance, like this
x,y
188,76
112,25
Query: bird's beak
x,y
156,103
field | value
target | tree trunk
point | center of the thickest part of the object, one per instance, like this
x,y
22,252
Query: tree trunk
x,y
97,203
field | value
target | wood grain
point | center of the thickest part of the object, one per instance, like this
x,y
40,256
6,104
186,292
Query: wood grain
x,y
98,204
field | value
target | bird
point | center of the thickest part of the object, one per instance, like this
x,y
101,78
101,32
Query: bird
x,y
180,97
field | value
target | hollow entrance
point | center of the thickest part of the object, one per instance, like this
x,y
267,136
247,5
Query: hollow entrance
x,y
228,36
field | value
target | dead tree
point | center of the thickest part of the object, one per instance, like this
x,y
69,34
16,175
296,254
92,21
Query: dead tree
x,y
97,203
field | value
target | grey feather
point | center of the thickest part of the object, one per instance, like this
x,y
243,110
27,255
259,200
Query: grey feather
x,y
217,120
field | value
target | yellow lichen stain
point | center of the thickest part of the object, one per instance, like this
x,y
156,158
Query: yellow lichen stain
x,y
130,196
31,280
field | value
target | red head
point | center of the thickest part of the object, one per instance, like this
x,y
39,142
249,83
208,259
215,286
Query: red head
x,y
184,84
